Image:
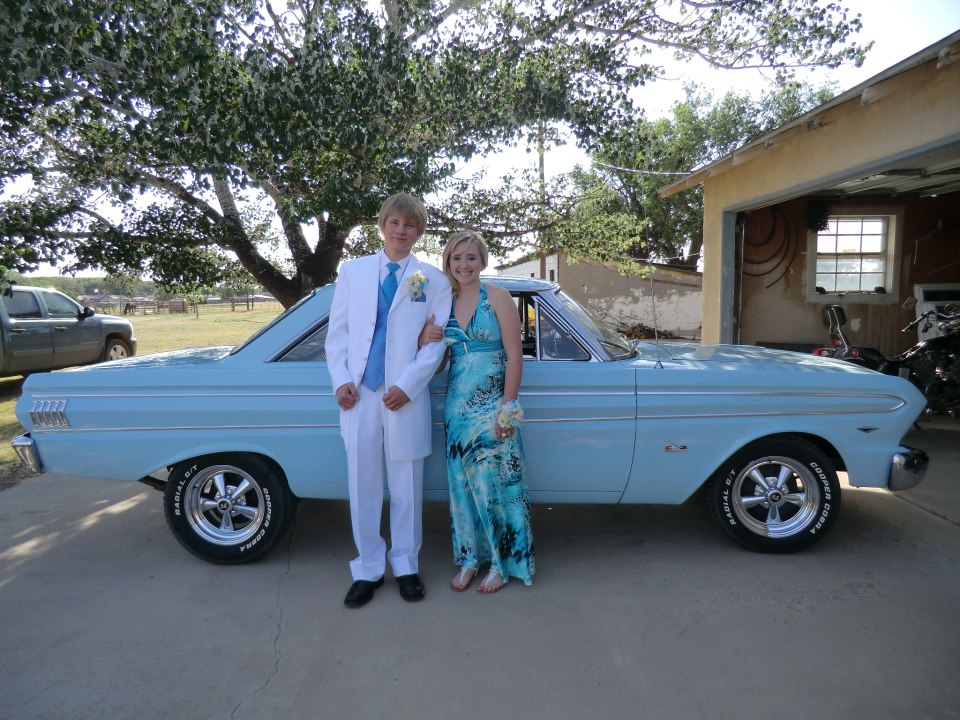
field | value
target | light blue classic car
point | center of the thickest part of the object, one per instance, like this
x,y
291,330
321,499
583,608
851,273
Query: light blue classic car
x,y
233,436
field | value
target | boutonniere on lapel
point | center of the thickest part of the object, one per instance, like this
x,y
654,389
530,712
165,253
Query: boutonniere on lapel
x,y
416,285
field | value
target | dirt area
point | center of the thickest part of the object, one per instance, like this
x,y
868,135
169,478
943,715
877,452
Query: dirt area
x,y
11,474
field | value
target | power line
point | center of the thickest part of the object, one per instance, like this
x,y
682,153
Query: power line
x,y
639,172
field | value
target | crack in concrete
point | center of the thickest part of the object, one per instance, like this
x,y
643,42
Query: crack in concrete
x,y
277,655
911,501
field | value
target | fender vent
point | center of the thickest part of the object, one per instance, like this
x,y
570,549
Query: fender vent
x,y
45,414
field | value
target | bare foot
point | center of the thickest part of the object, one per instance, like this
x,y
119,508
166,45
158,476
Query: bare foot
x,y
461,581
491,583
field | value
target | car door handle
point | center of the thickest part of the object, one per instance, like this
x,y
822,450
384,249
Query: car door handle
x,y
17,331
59,328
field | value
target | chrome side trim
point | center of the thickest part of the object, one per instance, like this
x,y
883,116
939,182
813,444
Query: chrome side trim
x,y
191,428
39,396
26,450
795,413
575,393
766,393
540,421
583,393
550,421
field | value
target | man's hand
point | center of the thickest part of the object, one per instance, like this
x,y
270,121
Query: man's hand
x,y
347,396
395,398
431,333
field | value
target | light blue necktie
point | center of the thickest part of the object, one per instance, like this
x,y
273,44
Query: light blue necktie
x,y
390,282
375,370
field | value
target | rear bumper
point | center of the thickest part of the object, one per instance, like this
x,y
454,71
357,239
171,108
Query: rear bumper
x,y
26,450
907,468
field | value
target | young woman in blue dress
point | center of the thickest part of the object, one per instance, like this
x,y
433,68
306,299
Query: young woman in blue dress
x,y
489,505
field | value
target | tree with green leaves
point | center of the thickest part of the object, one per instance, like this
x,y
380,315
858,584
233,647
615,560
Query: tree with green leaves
x,y
612,212
153,133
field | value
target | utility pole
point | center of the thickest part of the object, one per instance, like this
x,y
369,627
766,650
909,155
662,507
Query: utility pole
x,y
543,199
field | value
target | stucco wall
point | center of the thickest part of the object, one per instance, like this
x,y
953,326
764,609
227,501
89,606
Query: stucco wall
x,y
668,299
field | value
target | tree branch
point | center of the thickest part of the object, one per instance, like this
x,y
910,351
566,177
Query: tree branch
x,y
237,240
278,26
390,8
241,28
181,193
95,215
292,230
452,9
81,90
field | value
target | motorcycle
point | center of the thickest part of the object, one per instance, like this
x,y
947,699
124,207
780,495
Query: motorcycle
x,y
932,365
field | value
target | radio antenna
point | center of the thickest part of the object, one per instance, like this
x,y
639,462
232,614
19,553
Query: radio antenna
x,y
656,322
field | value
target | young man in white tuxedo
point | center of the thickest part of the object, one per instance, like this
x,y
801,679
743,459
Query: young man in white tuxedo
x,y
380,304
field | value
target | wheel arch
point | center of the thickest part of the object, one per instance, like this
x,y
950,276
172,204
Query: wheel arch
x,y
821,443
110,338
271,461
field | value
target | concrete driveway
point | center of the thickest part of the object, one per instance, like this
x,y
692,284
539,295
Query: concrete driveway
x,y
636,612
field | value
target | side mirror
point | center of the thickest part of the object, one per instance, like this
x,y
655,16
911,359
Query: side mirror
x,y
87,312
910,303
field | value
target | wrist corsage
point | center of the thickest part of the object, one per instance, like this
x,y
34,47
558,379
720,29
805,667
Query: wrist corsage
x,y
416,284
510,414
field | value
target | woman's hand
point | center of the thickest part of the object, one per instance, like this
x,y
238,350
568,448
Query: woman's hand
x,y
509,415
431,333
503,433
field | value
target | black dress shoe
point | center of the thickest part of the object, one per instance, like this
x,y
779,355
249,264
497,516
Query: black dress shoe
x,y
361,592
411,587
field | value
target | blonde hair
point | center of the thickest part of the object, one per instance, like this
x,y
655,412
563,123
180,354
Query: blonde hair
x,y
405,205
463,237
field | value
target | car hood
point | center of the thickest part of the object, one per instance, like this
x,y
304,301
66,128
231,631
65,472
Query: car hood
x,y
759,358
188,356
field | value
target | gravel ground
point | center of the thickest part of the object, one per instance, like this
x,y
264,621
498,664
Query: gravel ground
x,y
11,474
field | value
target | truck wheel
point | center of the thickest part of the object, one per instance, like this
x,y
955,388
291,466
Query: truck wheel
x,y
778,495
229,508
115,349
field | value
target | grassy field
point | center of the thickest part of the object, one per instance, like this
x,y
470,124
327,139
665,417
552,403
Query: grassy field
x,y
154,333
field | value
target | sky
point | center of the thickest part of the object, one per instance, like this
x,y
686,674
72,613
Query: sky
x,y
899,29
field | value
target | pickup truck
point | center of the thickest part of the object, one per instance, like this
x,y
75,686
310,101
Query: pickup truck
x,y
44,329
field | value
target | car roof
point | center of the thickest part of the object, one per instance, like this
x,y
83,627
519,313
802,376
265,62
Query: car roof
x,y
520,284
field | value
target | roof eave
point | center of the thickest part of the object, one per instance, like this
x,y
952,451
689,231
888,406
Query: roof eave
x,y
697,176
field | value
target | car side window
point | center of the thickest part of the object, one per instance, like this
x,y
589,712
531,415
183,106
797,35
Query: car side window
x,y
528,325
21,305
310,348
556,343
60,306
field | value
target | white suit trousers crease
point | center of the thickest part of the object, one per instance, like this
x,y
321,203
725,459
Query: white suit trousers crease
x,y
369,434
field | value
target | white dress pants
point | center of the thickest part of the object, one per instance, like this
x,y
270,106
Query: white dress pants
x,y
365,471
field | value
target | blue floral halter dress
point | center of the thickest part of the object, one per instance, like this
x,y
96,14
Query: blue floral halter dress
x,y
489,506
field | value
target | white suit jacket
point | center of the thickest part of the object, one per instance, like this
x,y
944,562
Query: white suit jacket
x,y
353,317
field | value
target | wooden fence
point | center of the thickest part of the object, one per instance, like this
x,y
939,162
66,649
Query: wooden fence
x,y
180,305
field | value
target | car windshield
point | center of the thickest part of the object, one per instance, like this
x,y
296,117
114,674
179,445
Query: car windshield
x,y
273,322
613,342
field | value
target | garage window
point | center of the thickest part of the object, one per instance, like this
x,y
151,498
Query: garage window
x,y
854,254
